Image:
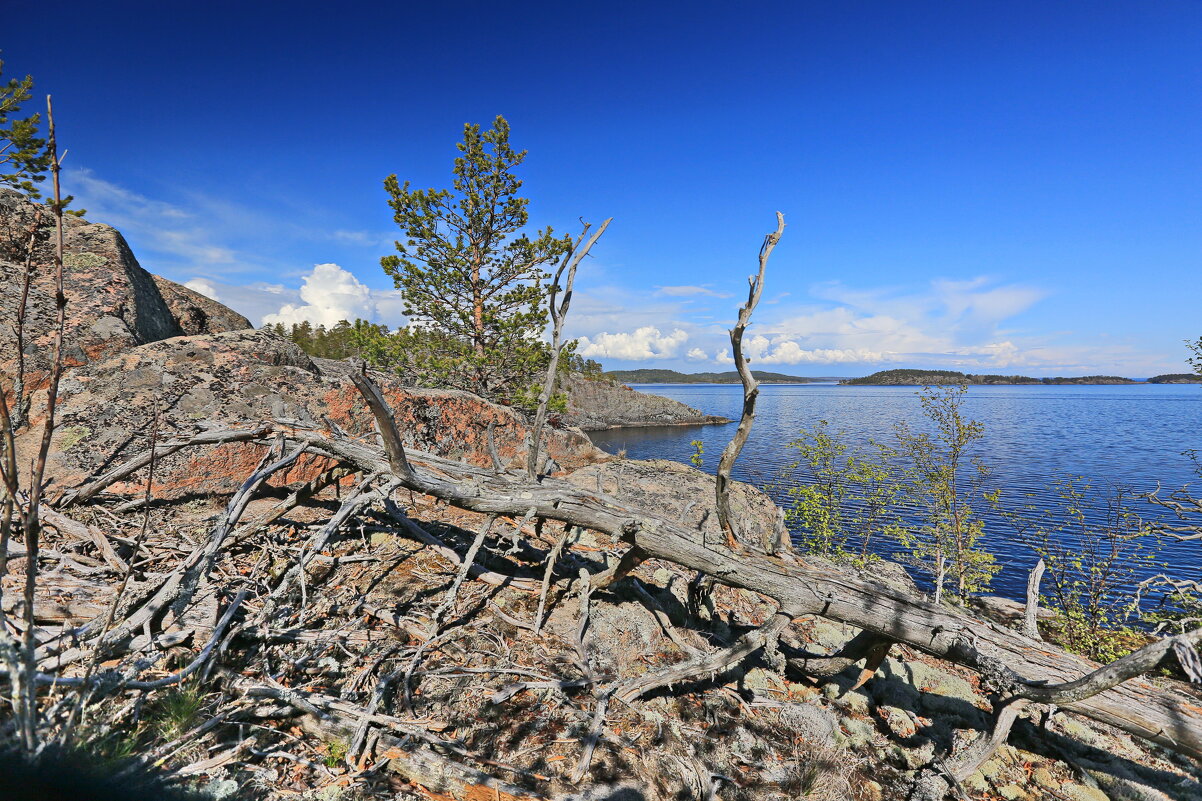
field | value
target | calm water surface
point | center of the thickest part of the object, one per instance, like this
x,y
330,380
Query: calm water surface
x,y
1129,435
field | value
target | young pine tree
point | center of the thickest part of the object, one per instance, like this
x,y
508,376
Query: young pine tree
x,y
23,156
467,273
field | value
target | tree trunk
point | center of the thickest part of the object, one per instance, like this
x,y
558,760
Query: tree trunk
x,y
478,328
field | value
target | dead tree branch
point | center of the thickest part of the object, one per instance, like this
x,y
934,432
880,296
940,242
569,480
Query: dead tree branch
x,y
1108,676
751,389
571,260
707,665
31,510
1031,609
126,469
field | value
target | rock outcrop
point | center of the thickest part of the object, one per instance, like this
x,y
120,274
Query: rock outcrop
x,y
137,342
245,378
196,314
673,490
113,304
595,404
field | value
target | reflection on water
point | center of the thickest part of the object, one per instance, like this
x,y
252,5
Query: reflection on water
x,y
1129,435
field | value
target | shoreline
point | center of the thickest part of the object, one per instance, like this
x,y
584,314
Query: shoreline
x,y
712,420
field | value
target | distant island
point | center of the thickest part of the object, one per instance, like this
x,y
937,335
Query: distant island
x,y
1176,378
907,377
731,377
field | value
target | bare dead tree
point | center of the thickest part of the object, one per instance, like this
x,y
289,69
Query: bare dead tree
x,y
570,262
20,408
27,513
751,388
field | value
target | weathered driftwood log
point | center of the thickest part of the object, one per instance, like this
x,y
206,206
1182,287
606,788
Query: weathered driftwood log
x,y
1013,663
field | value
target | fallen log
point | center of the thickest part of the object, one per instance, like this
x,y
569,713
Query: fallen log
x,y
1008,661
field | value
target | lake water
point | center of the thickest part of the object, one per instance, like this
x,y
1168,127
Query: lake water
x,y
1128,435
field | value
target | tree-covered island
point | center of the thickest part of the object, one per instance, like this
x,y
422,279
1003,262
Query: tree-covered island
x,y
917,378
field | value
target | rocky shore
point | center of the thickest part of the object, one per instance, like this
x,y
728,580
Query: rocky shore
x,y
596,404
411,649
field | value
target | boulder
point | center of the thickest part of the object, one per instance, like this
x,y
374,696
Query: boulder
x,y
686,495
197,314
243,378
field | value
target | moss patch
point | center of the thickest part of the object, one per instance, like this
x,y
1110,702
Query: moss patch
x,y
85,260
70,436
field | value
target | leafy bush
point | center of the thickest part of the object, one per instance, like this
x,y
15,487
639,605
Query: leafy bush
x,y
943,481
842,498
1094,547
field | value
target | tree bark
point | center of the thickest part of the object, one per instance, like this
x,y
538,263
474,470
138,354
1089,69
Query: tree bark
x,y
1031,610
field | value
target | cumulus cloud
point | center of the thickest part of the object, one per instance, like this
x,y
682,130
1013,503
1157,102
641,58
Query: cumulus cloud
x,y
204,287
945,322
329,294
760,350
644,343
697,354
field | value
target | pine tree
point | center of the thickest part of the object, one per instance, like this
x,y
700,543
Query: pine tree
x,y
469,275
23,155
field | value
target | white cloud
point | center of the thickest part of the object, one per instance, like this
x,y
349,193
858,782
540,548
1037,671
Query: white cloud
x,y
329,294
697,354
947,322
761,350
688,291
204,287
964,299
642,344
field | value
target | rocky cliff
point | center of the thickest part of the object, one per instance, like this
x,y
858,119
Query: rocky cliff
x,y
595,404
112,303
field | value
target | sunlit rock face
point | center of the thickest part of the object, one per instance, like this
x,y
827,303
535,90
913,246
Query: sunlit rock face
x,y
112,303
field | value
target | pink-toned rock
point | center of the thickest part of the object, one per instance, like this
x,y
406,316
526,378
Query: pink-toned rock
x,y
243,378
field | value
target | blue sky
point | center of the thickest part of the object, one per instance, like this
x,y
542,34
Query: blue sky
x,y
992,187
